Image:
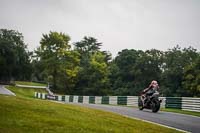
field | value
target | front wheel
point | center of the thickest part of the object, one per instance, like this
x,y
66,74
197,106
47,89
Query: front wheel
x,y
155,106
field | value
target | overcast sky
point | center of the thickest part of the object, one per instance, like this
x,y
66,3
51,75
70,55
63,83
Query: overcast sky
x,y
118,24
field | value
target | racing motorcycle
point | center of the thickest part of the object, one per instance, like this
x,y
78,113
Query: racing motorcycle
x,y
151,101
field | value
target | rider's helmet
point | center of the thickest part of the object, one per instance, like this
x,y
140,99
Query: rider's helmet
x,y
154,84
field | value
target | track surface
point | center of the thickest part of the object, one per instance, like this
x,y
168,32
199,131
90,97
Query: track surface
x,y
5,91
184,122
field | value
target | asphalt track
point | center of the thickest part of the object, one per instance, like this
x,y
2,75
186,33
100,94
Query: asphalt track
x,y
5,91
186,123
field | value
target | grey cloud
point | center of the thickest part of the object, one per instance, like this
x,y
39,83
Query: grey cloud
x,y
137,24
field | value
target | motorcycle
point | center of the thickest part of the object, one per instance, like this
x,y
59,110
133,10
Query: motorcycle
x,y
151,101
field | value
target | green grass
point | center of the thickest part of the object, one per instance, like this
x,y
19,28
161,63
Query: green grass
x,y
181,111
23,114
29,83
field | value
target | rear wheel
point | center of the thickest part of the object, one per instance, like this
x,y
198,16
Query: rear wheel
x,y
140,103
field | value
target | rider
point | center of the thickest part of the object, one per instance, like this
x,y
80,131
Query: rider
x,y
153,88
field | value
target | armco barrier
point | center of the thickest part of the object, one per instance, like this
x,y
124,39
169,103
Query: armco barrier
x,y
184,103
163,103
92,99
113,100
122,100
173,102
75,99
105,100
67,99
80,99
71,98
191,104
85,99
132,101
98,99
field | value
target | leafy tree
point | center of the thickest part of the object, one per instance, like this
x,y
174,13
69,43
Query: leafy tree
x,y
148,67
87,45
176,60
191,79
122,72
7,61
93,73
14,57
59,62
98,79
132,70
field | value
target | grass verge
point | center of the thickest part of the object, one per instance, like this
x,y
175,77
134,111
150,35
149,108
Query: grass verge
x,y
181,111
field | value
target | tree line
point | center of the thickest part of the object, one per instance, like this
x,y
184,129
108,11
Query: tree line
x,y
82,68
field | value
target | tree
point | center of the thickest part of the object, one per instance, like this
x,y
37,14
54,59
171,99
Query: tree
x,y
87,45
14,56
7,61
176,60
191,78
132,70
58,60
93,72
148,67
98,79
122,73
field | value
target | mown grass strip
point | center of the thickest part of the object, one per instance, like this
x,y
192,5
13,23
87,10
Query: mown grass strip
x,y
181,111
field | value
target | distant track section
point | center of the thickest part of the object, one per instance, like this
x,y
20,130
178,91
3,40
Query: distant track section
x,y
5,91
28,86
